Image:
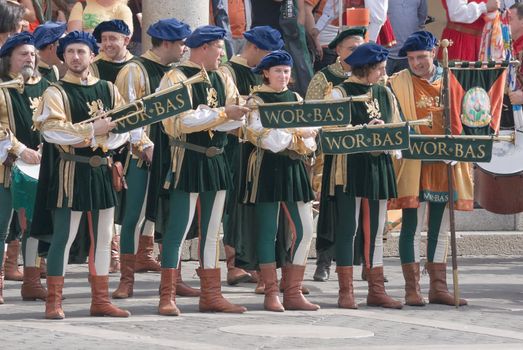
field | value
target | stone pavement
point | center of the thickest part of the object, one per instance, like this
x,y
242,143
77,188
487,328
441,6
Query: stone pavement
x,y
493,286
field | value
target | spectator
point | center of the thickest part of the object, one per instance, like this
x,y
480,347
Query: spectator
x,y
86,15
12,15
403,26
464,26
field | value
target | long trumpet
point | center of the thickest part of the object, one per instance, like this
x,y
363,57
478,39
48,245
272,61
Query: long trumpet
x,y
17,83
139,105
427,121
498,138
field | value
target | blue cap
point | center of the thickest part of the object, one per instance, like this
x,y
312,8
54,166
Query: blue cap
x,y
265,37
115,25
169,29
48,33
275,58
23,38
354,31
368,53
76,37
418,41
203,35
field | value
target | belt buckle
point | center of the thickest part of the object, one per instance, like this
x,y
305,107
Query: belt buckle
x,y
95,161
213,151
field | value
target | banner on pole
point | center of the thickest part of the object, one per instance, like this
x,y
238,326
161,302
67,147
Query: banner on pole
x,y
365,139
443,147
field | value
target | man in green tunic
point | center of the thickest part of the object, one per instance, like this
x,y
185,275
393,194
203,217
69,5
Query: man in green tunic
x,y
46,41
75,179
199,169
113,37
237,220
18,61
139,78
320,86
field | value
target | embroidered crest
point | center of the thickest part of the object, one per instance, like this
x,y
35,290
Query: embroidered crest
x,y
95,107
476,108
428,102
373,109
212,97
35,102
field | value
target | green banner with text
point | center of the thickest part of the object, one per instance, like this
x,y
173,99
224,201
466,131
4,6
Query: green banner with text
x,y
156,108
365,139
304,114
443,147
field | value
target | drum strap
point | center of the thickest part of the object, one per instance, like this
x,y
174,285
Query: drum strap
x,y
208,151
94,161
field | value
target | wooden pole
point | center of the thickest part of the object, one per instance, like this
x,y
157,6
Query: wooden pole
x,y
446,103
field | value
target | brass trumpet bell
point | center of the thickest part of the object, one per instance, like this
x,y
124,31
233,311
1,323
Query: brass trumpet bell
x,y
17,83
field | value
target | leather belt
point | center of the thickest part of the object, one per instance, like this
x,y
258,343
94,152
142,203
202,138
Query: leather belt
x,y
464,29
93,161
208,151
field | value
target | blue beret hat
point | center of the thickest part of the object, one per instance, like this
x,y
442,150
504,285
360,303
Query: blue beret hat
x,y
368,53
265,37
76,37
14,41
418,41
115,25
169,29
275,58
203,35
48,33
355,31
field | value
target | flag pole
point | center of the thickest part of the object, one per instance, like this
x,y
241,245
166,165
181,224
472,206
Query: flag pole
x,y
340,16
445,43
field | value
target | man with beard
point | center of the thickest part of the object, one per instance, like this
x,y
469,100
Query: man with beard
x,y
423,186
75,179
18,60
139,78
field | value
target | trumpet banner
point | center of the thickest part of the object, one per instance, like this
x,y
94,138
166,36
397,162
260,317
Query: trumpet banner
x,y
476,99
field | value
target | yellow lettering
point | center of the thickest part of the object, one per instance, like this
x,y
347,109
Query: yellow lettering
x,y
442,148
348,141
333,142
388,140
159,108
430,148
376,141
416,147
339,111
299,116
273,117
470,152
459,150
481,151
360,141
328,115
317,114
287,116
399,139
180,100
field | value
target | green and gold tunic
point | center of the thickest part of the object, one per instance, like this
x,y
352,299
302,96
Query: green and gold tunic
x,y
16,113
193,171
50,73
323,81
106,69
276,177
76,185
367,175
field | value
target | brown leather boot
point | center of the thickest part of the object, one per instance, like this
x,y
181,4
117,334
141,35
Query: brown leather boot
x,y
211,299
100,303
167,306
377,295
1,285
182,288
254,276
43,268
413,295
260,286
346,293
235,275
114,266
438,292
32,288
53,303
145,260
125,288
304,290
11,270
293,298
270,278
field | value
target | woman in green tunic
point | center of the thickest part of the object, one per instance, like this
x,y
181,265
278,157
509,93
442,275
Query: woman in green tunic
x,y
363,175
277,179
